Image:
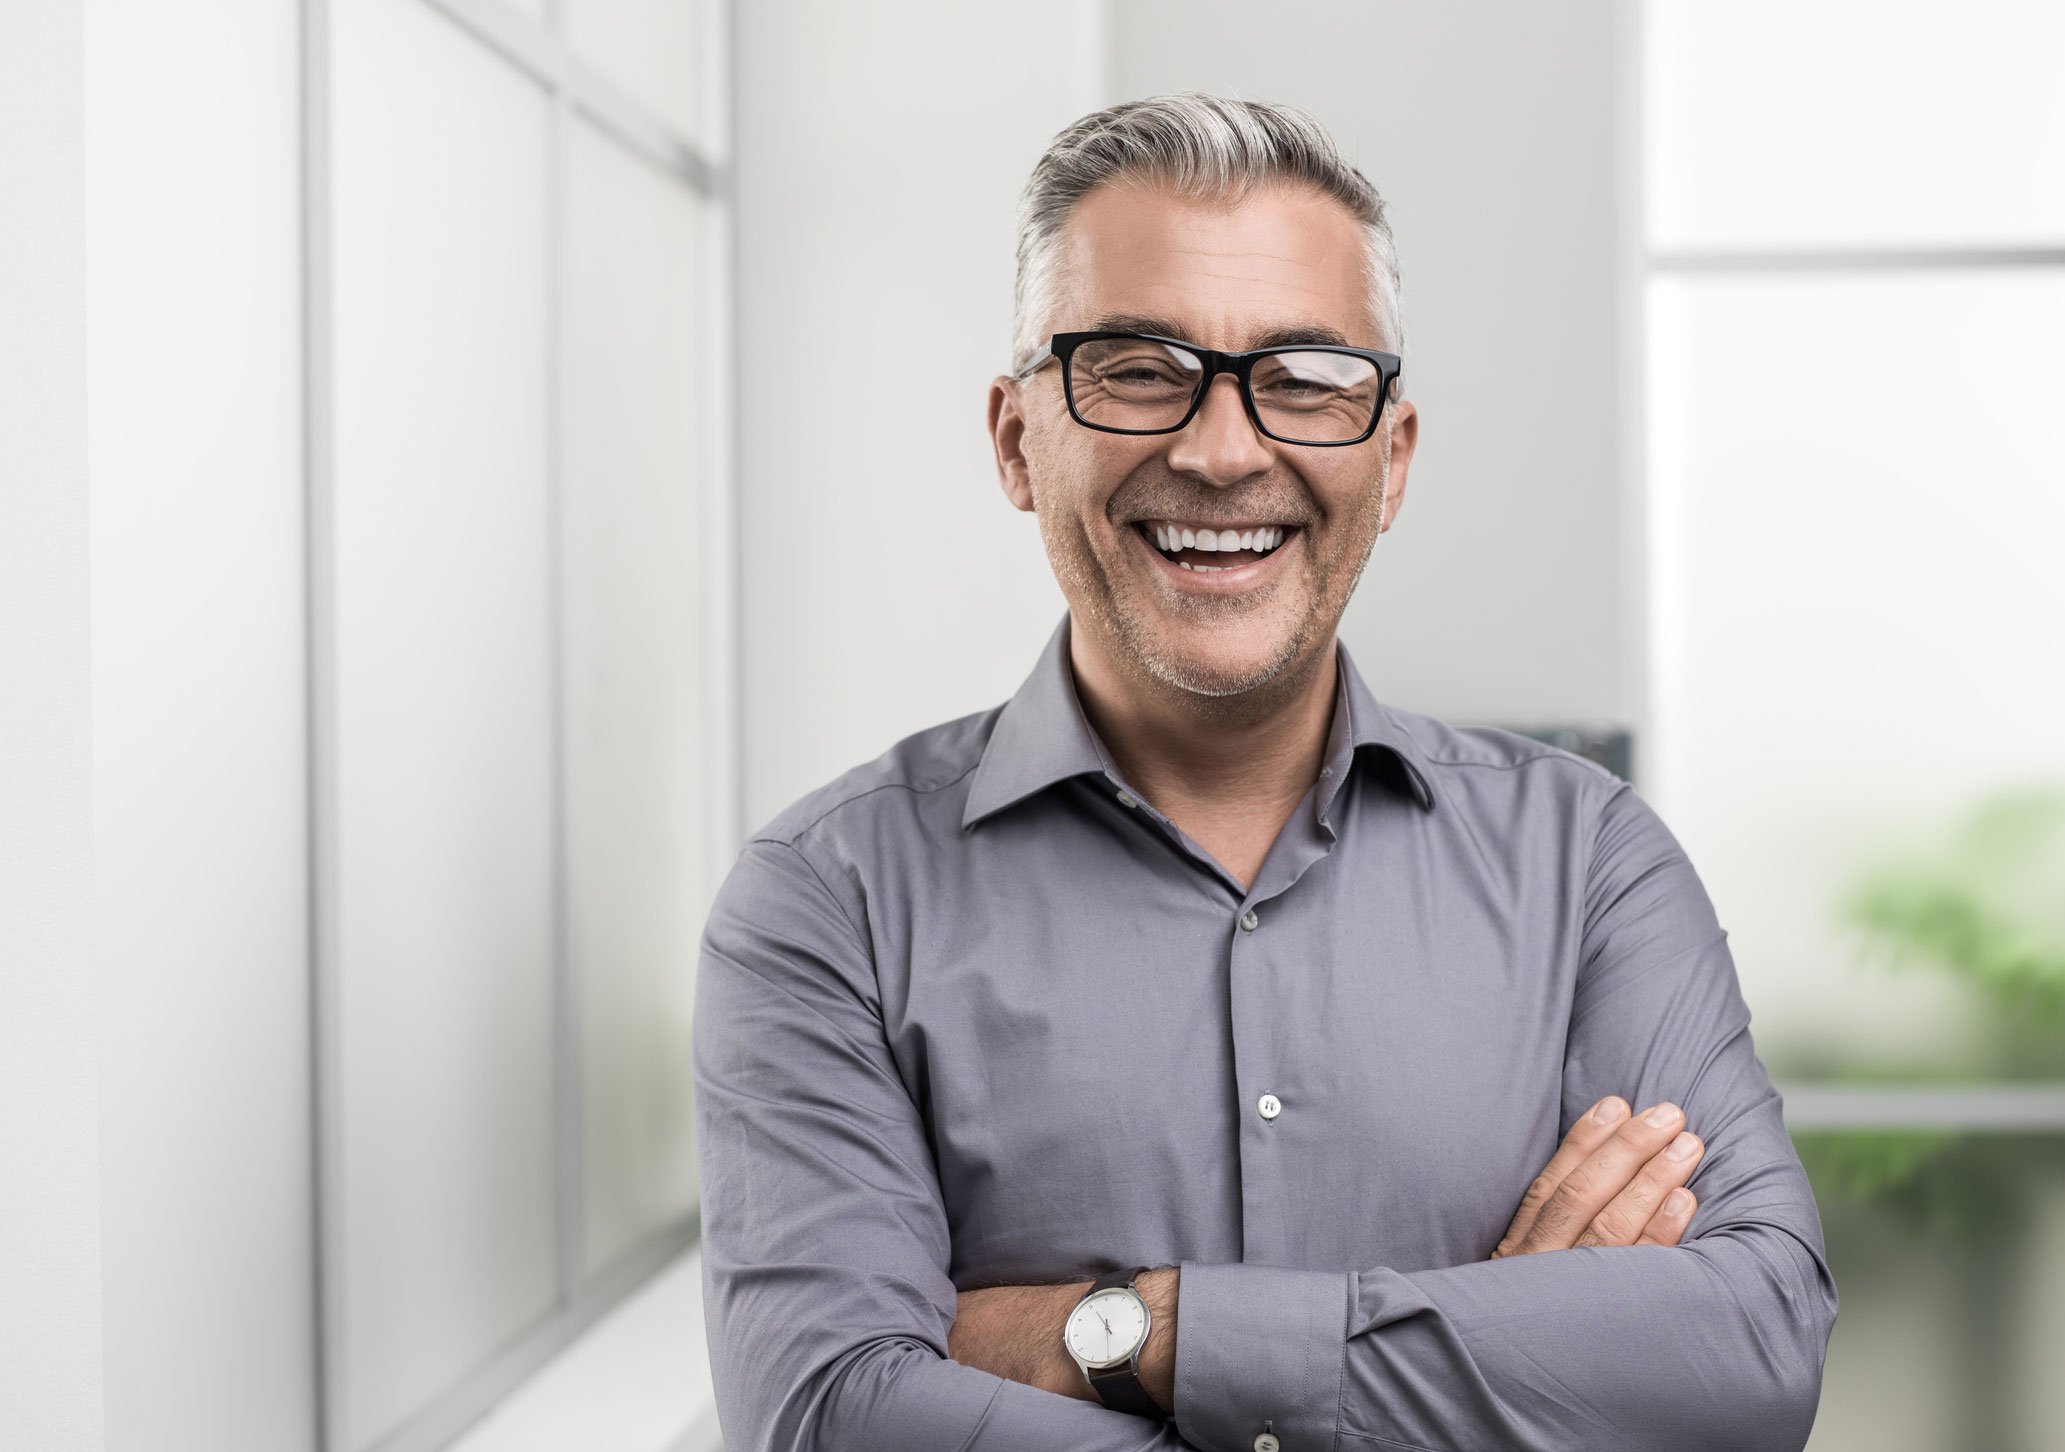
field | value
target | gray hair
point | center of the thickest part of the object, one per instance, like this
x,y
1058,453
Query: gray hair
x,y
1201,145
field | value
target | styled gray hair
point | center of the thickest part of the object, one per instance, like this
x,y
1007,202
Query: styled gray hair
x,y
1200,145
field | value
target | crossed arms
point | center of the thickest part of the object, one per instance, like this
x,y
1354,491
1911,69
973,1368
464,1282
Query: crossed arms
x,y
836,1327
1615,1180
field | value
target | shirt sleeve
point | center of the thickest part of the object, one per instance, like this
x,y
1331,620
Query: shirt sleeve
x,y
825,1244
1716,1343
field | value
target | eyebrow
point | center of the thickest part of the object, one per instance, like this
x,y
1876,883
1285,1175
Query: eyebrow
x,y
1285,337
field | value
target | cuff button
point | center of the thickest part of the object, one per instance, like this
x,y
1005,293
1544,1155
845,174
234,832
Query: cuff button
x,y
1267,1442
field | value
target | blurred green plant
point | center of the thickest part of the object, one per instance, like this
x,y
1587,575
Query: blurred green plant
x,y
1984,906
1988,906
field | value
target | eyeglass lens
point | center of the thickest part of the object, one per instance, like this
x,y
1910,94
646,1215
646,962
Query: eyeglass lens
x,y
1304,397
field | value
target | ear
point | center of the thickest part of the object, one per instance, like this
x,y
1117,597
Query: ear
x,y
1405,437
1007,436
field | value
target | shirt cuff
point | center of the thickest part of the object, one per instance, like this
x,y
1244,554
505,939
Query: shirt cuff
x,y
1259,1348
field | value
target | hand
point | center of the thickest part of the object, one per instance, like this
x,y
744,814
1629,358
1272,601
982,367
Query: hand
x,y
1615,1180
1015,1332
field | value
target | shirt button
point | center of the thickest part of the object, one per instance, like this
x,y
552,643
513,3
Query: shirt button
x,y
1267,1443
1251,920
1269,1106
1127,799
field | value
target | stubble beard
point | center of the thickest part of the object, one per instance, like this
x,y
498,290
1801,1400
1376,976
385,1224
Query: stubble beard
x,y
1109,598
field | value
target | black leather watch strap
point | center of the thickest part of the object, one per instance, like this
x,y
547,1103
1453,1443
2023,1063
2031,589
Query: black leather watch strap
x,y
1118,1388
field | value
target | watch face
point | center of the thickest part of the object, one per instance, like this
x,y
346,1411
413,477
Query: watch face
x,y
1108,1328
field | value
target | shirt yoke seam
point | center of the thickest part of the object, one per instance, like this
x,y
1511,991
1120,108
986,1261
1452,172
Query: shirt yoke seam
x,y
1551,754
792,838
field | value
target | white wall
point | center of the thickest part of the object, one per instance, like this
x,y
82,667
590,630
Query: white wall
x,y
50,1322
1490,129
200,827
886,584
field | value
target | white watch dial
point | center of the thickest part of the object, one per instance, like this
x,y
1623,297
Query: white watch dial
x,y
1107,1328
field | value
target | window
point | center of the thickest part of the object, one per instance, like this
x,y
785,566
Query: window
x,y
1855,274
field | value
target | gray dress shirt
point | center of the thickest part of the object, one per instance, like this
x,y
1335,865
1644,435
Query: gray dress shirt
x,y
976,1013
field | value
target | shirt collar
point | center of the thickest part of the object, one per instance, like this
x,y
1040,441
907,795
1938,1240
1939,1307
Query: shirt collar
x,y
1360,720
1042,737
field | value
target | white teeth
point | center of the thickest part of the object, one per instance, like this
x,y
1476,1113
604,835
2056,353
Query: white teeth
x,y
1184,563
1174,537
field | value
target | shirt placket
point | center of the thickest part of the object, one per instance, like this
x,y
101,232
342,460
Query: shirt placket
x,y
1268,968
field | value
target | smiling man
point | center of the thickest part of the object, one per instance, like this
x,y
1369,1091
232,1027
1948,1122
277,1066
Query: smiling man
x,y
1178,1055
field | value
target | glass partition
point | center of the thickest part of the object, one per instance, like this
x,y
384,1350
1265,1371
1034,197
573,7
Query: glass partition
x,y
511,237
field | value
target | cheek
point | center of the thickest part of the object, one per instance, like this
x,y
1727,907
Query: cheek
x,y
1352,502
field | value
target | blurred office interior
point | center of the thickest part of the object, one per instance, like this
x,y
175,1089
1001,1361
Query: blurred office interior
x,y
468,461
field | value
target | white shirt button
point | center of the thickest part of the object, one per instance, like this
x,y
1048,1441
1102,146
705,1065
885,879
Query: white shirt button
x,y
1251,920
1264,1442
1127,799
1269,1106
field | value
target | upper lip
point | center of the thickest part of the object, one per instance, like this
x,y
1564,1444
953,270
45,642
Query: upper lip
x,y
1183,522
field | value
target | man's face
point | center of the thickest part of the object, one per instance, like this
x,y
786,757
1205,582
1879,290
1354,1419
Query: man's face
x,y
1284,266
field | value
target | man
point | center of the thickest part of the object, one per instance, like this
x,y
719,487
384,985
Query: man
x,y
1178,1039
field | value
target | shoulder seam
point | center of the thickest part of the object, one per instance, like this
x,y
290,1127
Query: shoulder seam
x,y
859,939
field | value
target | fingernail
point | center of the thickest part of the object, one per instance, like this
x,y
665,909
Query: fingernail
x,y
1610,1110
1661,1117
1682,1147
1677,1202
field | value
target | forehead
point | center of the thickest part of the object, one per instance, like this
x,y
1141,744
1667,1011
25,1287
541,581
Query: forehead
x,y
1226,274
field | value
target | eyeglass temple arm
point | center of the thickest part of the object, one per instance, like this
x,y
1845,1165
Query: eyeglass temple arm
x,y
1038,361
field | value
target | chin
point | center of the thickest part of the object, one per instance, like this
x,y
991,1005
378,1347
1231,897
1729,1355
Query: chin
x,y
1217,669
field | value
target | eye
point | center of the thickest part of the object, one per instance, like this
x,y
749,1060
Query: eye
x,y
1142,370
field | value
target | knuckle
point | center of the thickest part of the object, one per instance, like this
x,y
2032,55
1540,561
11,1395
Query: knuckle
x,y
1613,1229
1556,1218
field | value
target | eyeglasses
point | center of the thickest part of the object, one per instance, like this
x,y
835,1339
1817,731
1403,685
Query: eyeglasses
x,y
1136,383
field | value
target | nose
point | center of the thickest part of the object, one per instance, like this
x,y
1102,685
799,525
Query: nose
x,y
1220,444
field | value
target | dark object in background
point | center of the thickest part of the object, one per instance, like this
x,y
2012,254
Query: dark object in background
x,y
1612,747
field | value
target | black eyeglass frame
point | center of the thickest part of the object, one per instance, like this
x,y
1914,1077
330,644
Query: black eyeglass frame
x,y
1062,346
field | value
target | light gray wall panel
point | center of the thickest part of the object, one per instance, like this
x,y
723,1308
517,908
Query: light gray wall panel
x,y
886,583
443,750
631,519
200,770
50,1281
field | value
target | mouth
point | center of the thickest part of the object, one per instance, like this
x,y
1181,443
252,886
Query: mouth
x,y
1231,551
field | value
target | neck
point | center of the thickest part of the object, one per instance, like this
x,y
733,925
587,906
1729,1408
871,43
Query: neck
x,y
1228,770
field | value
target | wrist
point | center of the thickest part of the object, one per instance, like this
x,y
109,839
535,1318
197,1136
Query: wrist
x,y
1160,1289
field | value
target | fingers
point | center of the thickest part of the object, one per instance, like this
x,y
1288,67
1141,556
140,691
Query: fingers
x,y
1605,1173
1629,1213
1670,1220
1593,1129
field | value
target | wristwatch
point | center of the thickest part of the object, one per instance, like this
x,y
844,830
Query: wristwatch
x,y
1105,1334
